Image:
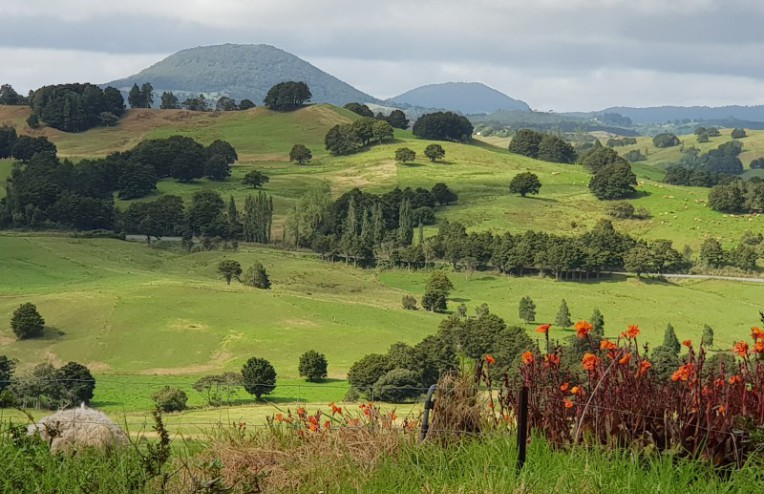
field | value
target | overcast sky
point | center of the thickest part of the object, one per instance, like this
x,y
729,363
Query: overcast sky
x,y
561,55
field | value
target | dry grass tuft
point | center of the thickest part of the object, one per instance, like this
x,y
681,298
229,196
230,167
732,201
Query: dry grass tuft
x,y
458,412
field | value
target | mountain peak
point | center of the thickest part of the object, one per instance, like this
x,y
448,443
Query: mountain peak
x,y
240,71
464,97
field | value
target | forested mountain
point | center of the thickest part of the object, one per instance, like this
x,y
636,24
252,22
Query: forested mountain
x,y
240,71
464,97
660,114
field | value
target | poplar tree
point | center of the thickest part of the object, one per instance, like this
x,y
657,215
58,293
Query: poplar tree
x,y
563,316
405,223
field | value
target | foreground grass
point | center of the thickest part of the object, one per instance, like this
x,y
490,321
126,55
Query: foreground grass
x,y
382,464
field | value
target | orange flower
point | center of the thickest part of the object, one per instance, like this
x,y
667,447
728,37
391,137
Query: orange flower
x,y
632,332
741,348
625,359
327,424
279,417
335,409
735,379
759,346
551,359
565,387
313,419
684,373
544,328
300,411
644,366
568,404
491,405
719,382
527,358
687,343
722,410
583,328
313,427
490,360
607,345
589,362
757,333
576,390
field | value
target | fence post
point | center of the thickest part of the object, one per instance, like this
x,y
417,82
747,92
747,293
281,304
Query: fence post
x,y
429,404
522,428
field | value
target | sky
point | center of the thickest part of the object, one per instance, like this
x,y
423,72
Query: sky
x,y
557,55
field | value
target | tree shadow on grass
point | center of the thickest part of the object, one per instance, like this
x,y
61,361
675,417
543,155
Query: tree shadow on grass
x,y
51,333
542,199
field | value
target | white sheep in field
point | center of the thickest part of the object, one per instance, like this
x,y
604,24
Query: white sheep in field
x,y
79,428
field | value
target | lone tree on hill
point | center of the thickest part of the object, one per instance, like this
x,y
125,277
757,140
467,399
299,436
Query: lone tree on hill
x,y
286,96
437,289
525,183
738,133
229,269
300,153
527,310
563,316
258,377
256,179
26,322
434,152
257,277
404,154
313,366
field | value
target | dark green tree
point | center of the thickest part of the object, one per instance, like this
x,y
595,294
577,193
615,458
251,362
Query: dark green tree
x,y
563,316
7,366
526,142
9,96
217,169
599,158
381,131
364,373
665,361
313,366
527,310
738,133
615,181
26,322
404,154
445,126
246,104
170,399
26,147
135,98
205,214
712,253
258,218
286,96
359,109
342,139
168,101
397,386
398,119
8,138
258,377
76,383
257,277
147,95
725,198
300,153
434,152
33,121
552,148
114,102
437,289
224,149
256,179
525,183
229,269
665,140
639,260
442,194
226,103
405,223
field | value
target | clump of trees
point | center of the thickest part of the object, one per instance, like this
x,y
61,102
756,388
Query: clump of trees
x,y
618,142
45,386
443,126
615,181
287,96
343,139
666,140
359,109
9,96
707,169
542,146
738,196
77,107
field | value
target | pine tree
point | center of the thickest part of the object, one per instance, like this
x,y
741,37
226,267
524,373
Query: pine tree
x,y
670,340
134,97
405,223
708,336
598,323
563,316
527,310
378,224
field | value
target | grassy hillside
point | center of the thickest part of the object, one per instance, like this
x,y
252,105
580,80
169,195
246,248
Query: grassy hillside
x,y
126,308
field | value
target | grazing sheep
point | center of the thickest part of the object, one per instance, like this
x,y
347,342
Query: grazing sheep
x,y
78,428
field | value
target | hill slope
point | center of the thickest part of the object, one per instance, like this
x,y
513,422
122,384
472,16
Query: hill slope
x,y
723,114
464,97
240,71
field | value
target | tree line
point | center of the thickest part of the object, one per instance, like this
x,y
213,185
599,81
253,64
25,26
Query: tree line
x,y
75,107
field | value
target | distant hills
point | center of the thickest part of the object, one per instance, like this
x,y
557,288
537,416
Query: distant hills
x,y
660,114
240,71
464,97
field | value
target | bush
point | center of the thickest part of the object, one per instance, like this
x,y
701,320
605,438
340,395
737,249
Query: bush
x,y
397,385
26,322
169,399
621,210
258,377
257,277
757,163
313,366
665,140
408,302
738,133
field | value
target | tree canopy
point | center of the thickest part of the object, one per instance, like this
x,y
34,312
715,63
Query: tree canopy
x,y
77,107
525,183
286,96
445,126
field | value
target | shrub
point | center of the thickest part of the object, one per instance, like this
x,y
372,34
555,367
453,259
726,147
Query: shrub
x,y
665,140
621,210
408,302
26,322
397,385
169,399
257,277
738,133
313,366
